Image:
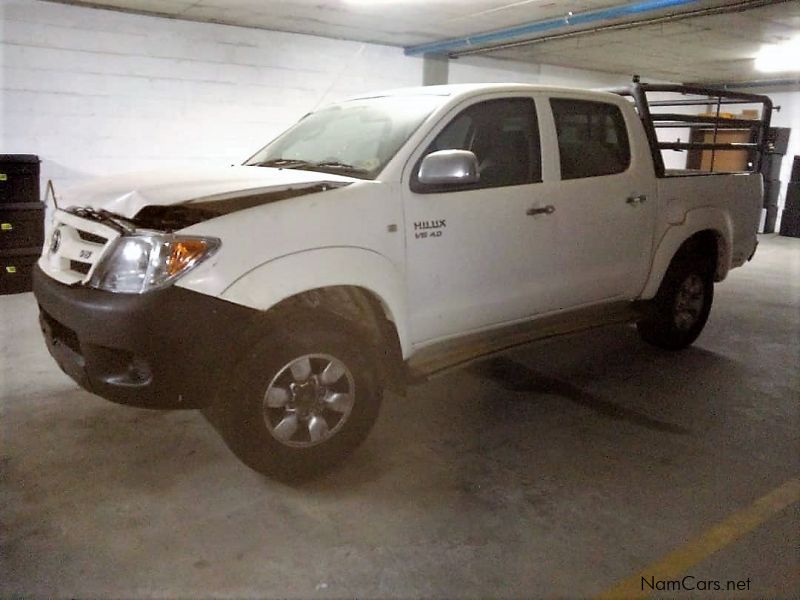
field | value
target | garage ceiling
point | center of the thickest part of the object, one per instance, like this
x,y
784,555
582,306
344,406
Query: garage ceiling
x,y
718,48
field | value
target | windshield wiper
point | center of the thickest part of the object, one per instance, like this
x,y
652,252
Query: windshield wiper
x,y
288,163
306,165
339,166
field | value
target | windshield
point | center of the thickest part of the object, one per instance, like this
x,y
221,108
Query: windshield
x,y
355,138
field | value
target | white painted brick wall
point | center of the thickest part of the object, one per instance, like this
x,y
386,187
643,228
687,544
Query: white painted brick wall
x,y
473,69
94,92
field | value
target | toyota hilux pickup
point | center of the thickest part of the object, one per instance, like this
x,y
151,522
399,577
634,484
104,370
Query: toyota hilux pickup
x,y
387,238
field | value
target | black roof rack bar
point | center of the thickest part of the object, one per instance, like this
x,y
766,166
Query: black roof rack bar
x,y
643,108
722,121
702,126
716,97
701,91
702,102
724,126
705,146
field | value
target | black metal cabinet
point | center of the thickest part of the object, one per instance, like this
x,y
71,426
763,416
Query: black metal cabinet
x,y
21,221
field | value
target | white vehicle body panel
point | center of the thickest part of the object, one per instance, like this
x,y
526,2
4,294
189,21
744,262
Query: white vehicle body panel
x,y
491,265
56,259
459,272
339,237
728,204
604,225
127,194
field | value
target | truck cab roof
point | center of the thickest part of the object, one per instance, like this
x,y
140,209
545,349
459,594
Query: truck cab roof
x,y
466,90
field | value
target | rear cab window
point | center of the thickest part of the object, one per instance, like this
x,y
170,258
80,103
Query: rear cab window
x,y
592,138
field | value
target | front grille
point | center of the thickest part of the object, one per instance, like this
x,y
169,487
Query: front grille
x,y
91,237
76,246
80,267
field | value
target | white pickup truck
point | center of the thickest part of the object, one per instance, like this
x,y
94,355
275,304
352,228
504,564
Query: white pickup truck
x,y
378,241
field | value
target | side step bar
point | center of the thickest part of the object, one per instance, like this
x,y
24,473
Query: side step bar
x,y
443,357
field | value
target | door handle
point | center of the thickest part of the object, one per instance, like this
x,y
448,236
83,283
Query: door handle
x,y
545,210
640,199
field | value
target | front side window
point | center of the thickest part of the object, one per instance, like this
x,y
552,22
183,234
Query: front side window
x,y
592,138
503,135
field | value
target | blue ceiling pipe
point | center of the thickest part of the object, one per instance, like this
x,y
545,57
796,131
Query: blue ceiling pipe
x,y
566,22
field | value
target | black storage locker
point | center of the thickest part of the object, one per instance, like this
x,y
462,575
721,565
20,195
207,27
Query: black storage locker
x,y
21,225
790,223
21,221
771,191
19,178
16,269
770,219
790,217
771,166
792,201
778,139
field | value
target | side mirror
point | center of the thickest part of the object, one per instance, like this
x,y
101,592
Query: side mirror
x,y
449,167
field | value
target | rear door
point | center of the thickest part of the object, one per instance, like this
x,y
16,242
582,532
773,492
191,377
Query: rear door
x,y
605,207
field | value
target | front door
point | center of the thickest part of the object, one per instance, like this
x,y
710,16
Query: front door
x,y
475,257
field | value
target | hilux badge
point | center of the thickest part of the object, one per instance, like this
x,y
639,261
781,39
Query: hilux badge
x,y
55,241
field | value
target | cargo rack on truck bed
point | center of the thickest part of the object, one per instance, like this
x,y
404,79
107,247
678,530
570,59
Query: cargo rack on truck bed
x,y
707,124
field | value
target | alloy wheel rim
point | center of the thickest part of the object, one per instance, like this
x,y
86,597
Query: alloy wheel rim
x,y
689,302
309,400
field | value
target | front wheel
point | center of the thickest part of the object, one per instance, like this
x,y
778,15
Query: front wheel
x,y
682,305
302,400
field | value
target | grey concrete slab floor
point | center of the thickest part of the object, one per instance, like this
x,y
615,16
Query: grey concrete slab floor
x,y
555,470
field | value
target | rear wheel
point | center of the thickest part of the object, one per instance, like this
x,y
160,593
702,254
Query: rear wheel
x,y
682,305
303,399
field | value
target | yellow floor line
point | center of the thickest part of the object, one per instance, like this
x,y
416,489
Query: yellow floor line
x,y
680,560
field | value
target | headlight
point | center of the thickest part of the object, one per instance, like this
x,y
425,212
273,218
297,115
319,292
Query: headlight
x,y
140,263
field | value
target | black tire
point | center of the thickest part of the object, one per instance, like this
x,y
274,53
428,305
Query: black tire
x,y
667,324
242,415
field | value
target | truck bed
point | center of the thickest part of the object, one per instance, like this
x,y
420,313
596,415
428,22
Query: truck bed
x,y
737,195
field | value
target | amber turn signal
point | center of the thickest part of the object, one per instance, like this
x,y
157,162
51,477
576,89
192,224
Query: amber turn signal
x,y
183,254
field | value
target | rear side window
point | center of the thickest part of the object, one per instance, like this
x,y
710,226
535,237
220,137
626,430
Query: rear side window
x,y
592,139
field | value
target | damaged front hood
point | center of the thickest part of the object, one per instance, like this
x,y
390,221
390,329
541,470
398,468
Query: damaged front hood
x,y
208,191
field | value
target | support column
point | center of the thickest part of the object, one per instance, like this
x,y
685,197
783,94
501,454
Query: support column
x,y
435,70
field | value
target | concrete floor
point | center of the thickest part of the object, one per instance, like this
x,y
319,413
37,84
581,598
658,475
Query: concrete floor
x,y
555,470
